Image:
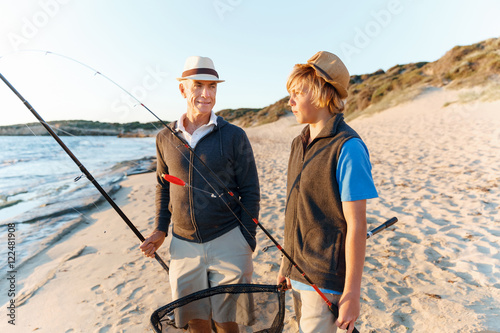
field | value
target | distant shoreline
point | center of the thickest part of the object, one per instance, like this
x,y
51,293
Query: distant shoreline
x,y
84,128
120,135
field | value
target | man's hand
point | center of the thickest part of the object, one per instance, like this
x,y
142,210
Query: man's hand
x,y
281,276
281,279
153,243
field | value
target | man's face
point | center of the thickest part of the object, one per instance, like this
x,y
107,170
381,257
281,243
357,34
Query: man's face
x,y
200,95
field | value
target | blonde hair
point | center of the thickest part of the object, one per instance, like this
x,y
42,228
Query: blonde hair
x,y
303,78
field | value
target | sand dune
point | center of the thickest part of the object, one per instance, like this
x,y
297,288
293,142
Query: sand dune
x,y
436,168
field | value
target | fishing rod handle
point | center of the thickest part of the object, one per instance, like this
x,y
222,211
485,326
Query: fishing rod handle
x,y
381,227
162,263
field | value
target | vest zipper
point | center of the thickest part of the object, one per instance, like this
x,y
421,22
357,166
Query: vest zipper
x,y
297,190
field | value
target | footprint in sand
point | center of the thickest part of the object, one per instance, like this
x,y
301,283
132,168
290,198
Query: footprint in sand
x,y
126,307
374,299
96,289
136,290
403,320
119,288
124,321
104,329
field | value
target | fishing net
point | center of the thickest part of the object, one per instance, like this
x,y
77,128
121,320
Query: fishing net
x,y
254,307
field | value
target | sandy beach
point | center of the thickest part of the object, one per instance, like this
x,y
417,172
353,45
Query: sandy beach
x,y
436,166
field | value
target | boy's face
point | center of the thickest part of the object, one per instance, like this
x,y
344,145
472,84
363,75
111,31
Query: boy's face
x,y
305,111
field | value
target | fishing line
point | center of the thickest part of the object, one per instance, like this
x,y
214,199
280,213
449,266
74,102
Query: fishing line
x,y
183,143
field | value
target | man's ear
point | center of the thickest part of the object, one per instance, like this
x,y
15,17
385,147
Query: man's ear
x,y
182,89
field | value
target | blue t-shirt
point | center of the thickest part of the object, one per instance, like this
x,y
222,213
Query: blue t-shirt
x,y
354,176
354,172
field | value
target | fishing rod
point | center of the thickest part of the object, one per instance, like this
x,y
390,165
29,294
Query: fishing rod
x,y
82,167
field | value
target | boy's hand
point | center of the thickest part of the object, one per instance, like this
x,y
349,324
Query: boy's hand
x,y
349,307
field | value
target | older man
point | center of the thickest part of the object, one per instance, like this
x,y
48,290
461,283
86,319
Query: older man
x,y
213,239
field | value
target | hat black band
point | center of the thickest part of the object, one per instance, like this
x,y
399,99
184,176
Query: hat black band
x,y
195,71
322,72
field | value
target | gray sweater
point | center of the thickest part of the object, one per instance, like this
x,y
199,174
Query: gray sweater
x,y
196,215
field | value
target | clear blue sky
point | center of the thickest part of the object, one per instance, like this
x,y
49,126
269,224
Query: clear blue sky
x,y
142,45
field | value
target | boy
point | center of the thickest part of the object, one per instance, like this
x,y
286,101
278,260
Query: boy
x,y
329,181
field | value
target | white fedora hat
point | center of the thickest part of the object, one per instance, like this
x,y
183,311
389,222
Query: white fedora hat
x,y
199,68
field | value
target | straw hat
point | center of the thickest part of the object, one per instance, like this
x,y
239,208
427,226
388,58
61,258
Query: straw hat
x,y
328,66
199,68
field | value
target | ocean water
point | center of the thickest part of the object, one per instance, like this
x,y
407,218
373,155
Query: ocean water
x,y
44,193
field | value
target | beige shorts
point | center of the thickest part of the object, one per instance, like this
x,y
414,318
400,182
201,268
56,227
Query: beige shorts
x,y
194,267
312,313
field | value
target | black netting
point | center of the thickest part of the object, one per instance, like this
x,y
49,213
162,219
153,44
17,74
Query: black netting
x,y
254,307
